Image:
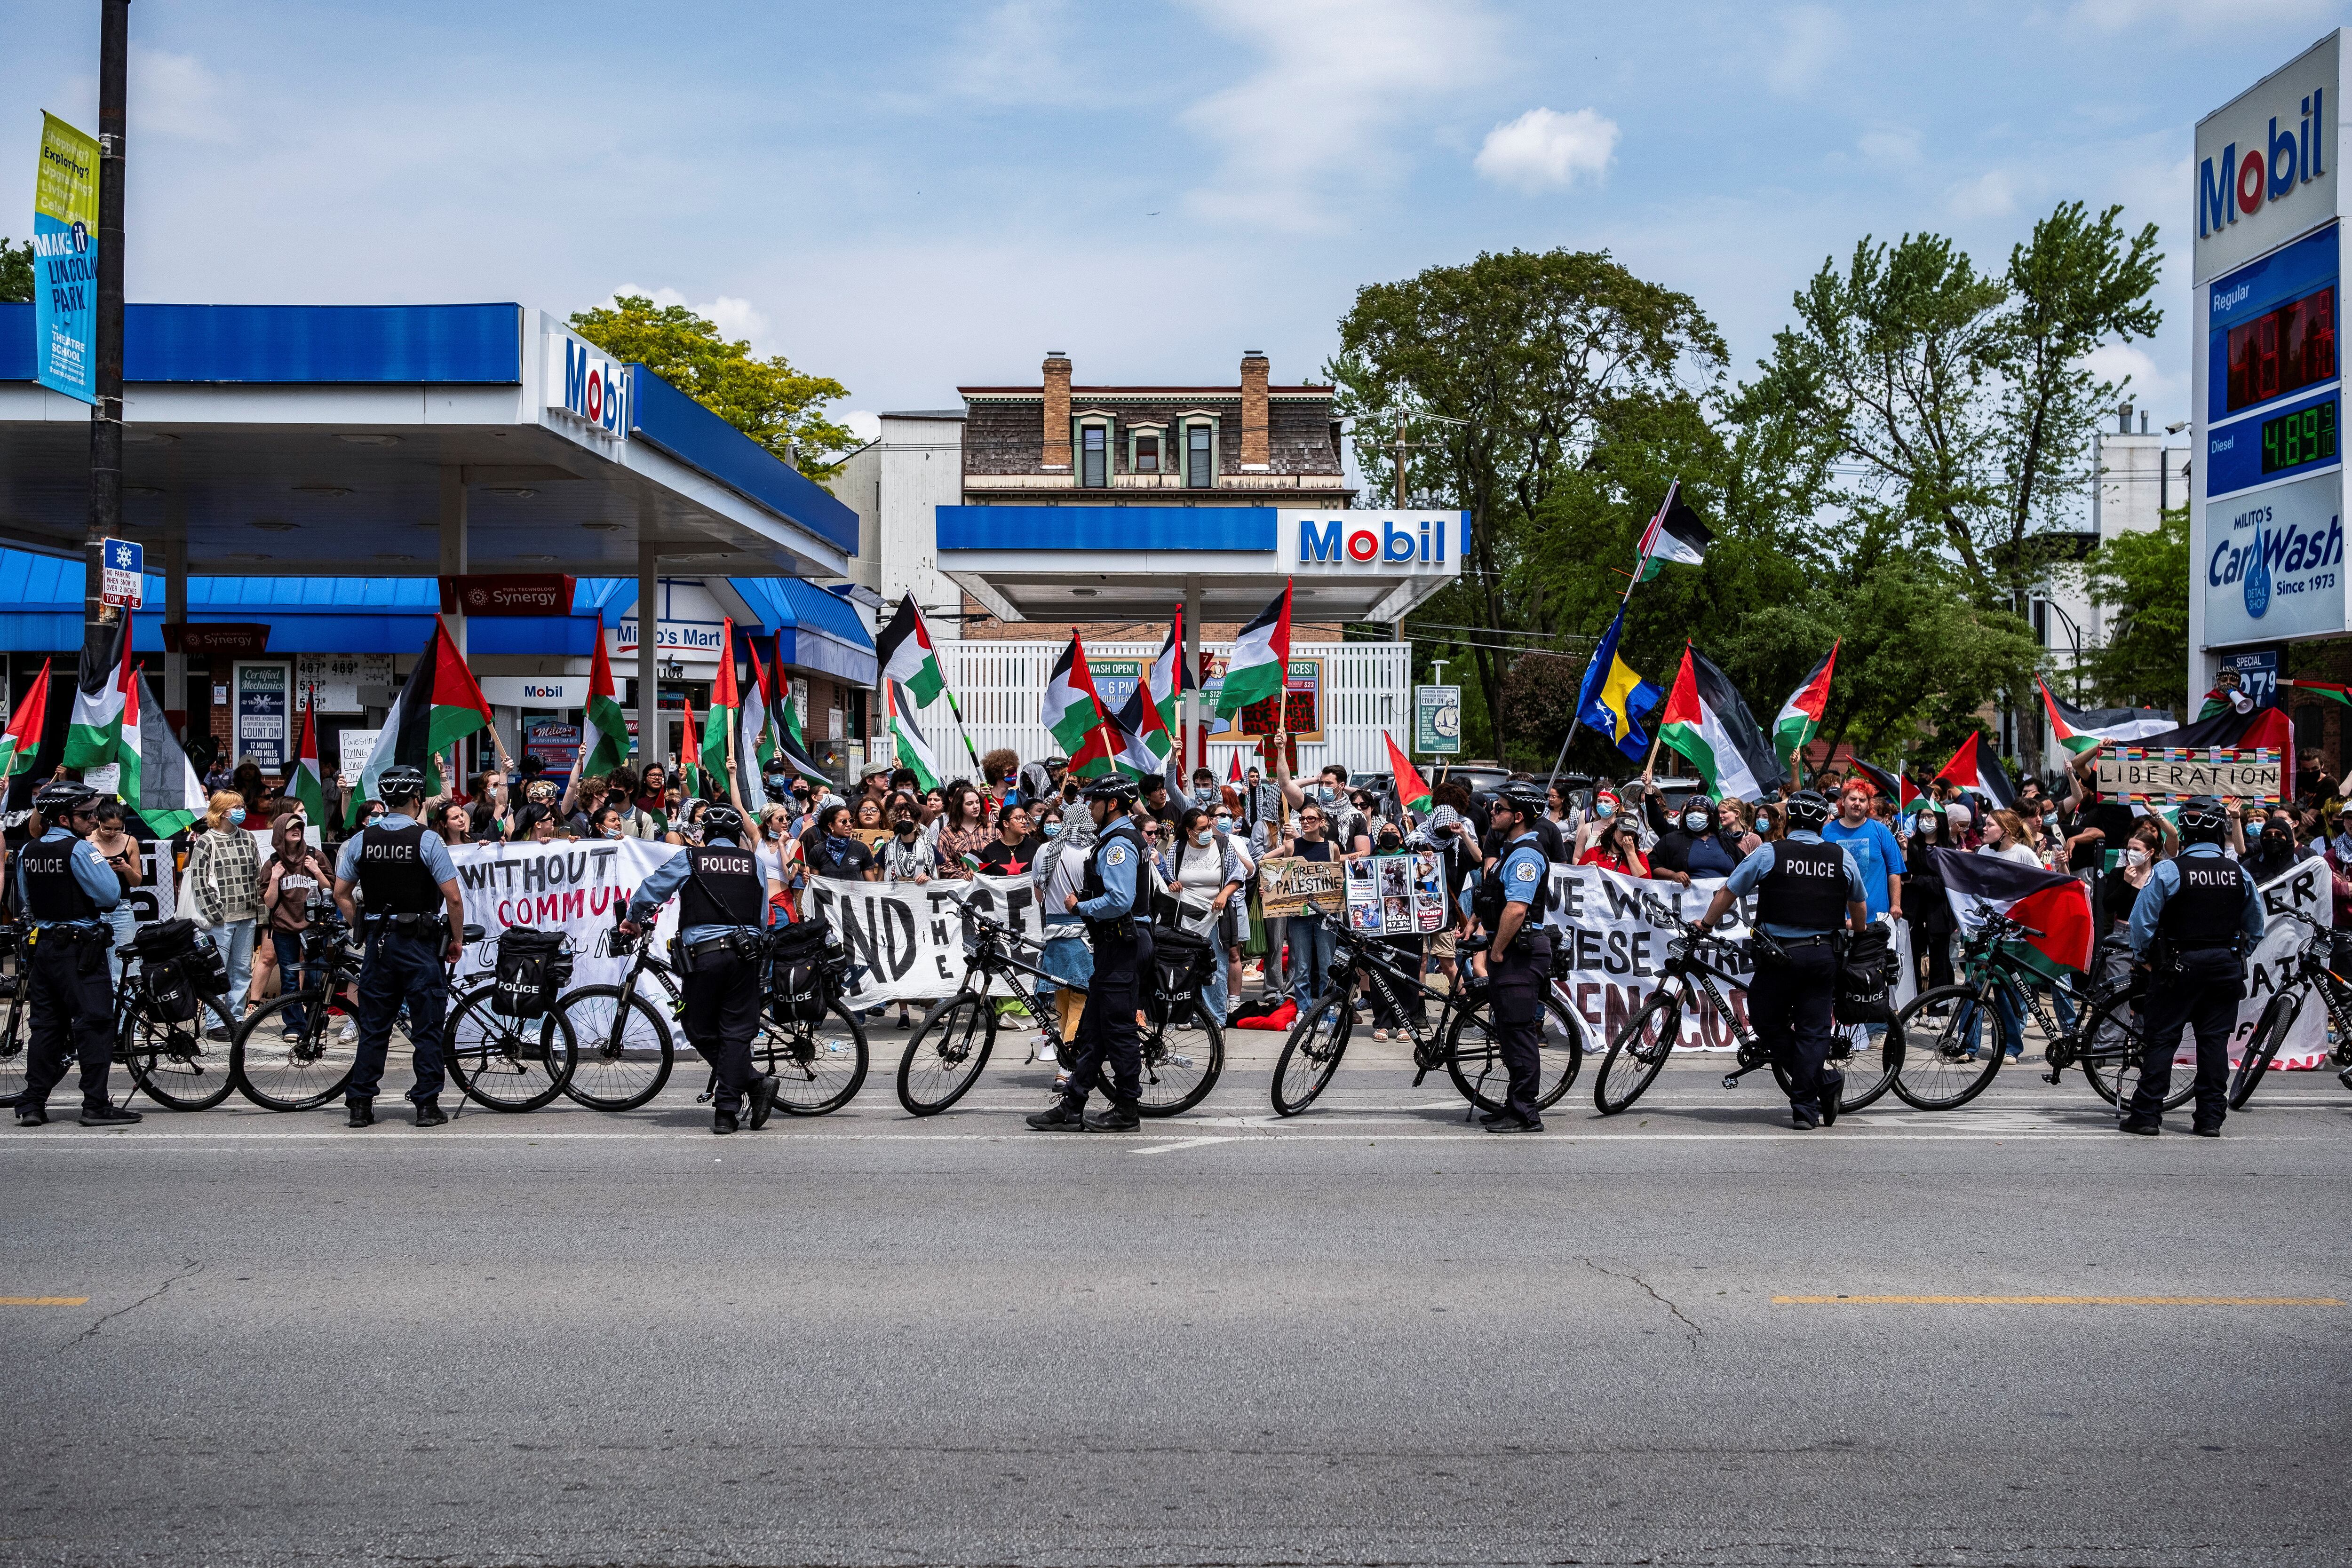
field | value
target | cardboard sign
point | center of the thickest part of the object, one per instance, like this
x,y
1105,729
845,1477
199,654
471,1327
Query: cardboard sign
x,y
2175,773
1287,883
1396,896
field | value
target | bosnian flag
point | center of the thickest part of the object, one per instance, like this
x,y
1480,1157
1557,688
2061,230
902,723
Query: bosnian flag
x,y
1801,716
1973,767
1706,720
2082,729
1260,659
1676,535
1073,714
904,654
2057,905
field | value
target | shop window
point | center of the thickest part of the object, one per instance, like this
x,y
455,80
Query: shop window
x,y
1094,456
1146,454
857,715
1200,466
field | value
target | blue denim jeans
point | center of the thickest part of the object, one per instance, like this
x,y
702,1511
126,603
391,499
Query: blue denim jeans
x,y
291,975
235,940
1312,940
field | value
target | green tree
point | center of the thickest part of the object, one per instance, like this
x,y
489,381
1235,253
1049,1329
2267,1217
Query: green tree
x,y
1502,368
2144,660
15,272
767,399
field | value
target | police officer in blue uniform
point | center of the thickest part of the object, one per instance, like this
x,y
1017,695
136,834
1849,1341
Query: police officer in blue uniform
x,y
413,929
722,907
65,887
1804,888
1511,906
1115,901
2193,925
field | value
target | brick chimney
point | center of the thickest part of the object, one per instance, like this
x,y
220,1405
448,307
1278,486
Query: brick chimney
x,y
1058,410
1256,449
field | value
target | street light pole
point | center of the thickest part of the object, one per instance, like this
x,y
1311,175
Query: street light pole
x,y
106,418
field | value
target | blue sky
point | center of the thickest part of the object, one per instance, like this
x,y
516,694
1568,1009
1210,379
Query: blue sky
x,y
911,196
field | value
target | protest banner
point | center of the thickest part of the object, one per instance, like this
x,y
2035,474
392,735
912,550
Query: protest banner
x,y
1396,896
2175,773
578,888
2307,890
1286,884
1616,950
908,937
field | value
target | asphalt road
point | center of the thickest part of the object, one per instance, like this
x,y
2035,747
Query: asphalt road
x,y
1369,1335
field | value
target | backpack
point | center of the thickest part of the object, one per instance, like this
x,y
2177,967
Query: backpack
x,y
1865,979
532,969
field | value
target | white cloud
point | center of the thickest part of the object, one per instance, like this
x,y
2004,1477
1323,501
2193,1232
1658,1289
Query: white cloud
x,y
1014,56
2119,363
177,95
1811,37
1987,196
1890,146
2197,15
734,318
1337,80
862,423
1546,149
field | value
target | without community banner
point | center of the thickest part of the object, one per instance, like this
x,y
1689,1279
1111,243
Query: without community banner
x,y
908,937
1616,950
578,889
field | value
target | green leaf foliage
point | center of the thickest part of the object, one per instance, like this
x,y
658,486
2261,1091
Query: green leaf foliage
x,y
15,272
2144,661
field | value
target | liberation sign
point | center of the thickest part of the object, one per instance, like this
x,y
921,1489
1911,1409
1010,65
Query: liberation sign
x,y
2175,773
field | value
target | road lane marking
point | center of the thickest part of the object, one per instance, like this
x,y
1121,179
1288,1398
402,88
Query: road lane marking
x,y
2057,1301
44,1301
1259,1137
1182,1143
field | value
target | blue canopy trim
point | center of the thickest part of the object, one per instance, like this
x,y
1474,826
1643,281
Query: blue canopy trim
x,y
359,344
1107,527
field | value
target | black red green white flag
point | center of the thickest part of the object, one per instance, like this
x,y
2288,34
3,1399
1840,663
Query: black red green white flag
x,y
1707,722
24,735
440,705
1260,660
2054,909
605,715
1801,716
307,788
1410,792
904,655
1974,767
1073,715
1676,535
2083,729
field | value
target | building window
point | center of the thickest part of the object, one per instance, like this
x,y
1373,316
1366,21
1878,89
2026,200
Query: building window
x,y
1094,456
1199,470
1146,454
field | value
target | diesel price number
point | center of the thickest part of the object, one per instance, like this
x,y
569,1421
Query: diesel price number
x,y
2306,435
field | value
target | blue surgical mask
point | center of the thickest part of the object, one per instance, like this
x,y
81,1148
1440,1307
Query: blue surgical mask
x,y
235,815
1604,810
1052,829
1224,823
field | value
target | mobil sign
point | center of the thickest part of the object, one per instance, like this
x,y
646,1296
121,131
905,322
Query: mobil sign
x,y
1384,544
2265,162
586,390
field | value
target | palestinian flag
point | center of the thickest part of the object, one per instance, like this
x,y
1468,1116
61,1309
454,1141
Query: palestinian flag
x,y
23,735
157,781
2225,699
1233,769
1147,723
914,746
2327,689
792,745
1974,767
1073,715
1675,536
305,784
1260,659
1801,716
755,732
1410,792
440,705
2083,729
1897,787
1706,721
605,715
689,755
725,703
904,654
2050,902
94,734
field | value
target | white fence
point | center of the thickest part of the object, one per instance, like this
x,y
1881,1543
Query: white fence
x,y
1366,692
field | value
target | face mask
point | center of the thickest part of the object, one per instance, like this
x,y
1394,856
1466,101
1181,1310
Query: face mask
x,y
2274,840
1052,829
1200,836
1695,821
1605,810
236,816
2135,857
1224,823
1391,843
1327,795
905,830
839,847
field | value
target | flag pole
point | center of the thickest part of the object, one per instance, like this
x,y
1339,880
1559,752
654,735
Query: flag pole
x,y
1576,718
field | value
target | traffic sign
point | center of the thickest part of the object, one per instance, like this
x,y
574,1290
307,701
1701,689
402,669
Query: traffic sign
x,y
1437,720
123,574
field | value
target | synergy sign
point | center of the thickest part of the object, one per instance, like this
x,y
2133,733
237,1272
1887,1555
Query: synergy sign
x,y
586,390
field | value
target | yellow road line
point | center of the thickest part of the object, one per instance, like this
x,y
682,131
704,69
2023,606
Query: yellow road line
x,y
44,1301
2057,1301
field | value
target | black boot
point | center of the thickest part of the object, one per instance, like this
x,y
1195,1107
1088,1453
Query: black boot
x,y
762,1095
1061,1116
722,1122
1118,1116
429,1112
1832,1086
362,1112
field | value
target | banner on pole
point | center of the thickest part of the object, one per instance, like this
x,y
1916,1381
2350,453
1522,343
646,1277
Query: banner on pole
x,y
64,262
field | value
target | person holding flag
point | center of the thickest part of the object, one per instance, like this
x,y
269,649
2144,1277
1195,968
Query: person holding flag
x,y
2193,925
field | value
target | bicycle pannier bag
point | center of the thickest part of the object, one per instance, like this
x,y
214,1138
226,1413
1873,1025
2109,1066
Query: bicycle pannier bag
x,y
162,941
532,969
800,963
1180,962
205,971
171,992
1865,989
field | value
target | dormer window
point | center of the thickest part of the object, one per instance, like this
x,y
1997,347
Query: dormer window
x,y
1146,454
1200,456
1094,456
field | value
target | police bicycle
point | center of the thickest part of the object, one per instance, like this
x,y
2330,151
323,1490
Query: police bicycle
x,y
164,1041
627,1045
1183,1049
1952,1035
1462,1040
1866,1054
16,1023
2308,972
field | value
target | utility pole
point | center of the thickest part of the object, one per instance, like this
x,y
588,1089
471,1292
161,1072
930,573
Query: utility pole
x,y
106,418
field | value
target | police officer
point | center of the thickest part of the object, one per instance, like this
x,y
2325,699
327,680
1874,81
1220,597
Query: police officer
x,y
1511,906
1803,888
2193,924
414,929
65,887
722,905
1115,901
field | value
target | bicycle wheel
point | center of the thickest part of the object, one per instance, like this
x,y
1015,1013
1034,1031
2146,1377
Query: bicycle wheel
x,y
1869,1054
1312,1053
177,1064
1639,1052
1952,1047
1180,1063
2117,1048
507,1063
282,1066
15,1035
1474,1057
944,1059
818,1067
2262,1046
625,1053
